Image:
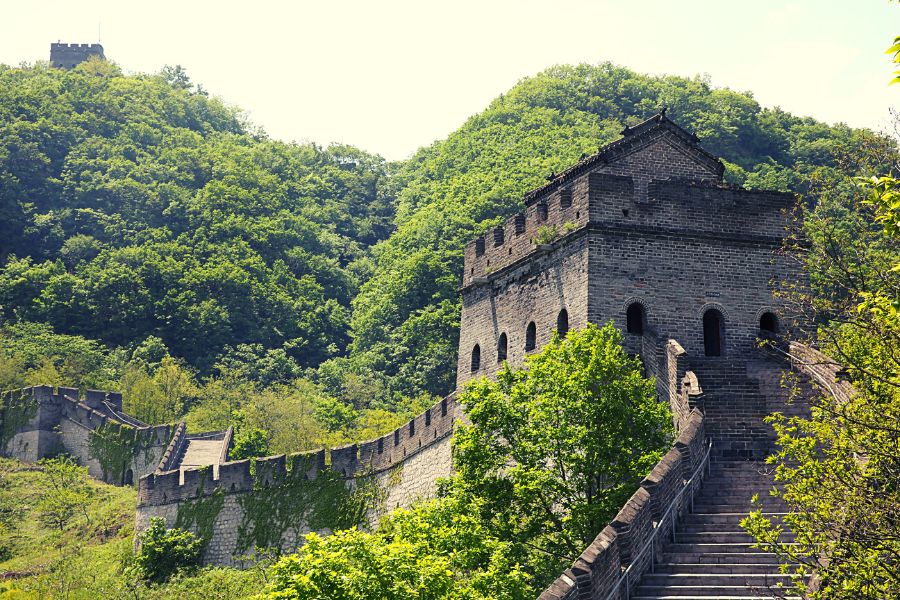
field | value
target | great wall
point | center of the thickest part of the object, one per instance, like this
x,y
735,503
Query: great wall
x,y
644,234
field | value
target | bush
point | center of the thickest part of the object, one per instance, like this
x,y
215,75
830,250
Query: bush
x,y
165,552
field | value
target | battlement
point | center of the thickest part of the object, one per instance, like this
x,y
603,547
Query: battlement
x,y
62,46
350,461
656,180
534,231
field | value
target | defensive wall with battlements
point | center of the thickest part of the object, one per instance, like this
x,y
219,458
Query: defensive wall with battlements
x,y
42,421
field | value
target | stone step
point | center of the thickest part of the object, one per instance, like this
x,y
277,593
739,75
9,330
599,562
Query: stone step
x,y
694,554
765,580
729,527
740,567
720,537
667,594
706,592
700,519
712,509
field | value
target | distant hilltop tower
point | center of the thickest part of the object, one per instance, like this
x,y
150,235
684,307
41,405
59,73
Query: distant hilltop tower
x,y
67,56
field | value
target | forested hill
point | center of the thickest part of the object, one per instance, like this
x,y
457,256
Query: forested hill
x,y
405,315
135,209
137,206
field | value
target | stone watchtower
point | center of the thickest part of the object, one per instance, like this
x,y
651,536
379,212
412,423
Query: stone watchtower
x,y
68,56
646,235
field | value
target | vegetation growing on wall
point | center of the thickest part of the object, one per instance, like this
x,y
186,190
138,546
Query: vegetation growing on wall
x,y
327,502
16,410
200,514
114,446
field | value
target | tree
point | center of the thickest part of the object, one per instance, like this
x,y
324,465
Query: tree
x,y
554,450
249,443
840,468
432,551
67,491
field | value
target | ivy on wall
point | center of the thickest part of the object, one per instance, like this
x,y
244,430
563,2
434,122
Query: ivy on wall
x,y
200,515
16,410
114,446
328,502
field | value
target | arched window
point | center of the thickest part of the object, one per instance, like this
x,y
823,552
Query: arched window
x,y
562,323
530,337
635,318
713,333
476,358
501,348
768,322
129,477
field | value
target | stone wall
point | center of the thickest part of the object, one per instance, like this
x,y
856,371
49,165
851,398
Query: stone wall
x,y
42,421
273,502
553,279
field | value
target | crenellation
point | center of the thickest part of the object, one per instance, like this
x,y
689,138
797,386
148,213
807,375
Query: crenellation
x,y
345,459
269,471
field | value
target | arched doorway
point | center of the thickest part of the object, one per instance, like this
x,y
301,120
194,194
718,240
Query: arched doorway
x,y
768,322
635,318
476,358
501,348
713,333
562,323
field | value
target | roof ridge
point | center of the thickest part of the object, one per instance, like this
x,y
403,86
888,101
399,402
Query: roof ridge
x,y
631,135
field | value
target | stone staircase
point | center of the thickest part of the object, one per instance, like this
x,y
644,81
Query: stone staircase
x,y
203,449
712,557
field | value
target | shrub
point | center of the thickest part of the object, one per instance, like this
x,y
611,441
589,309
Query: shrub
x,y
165,552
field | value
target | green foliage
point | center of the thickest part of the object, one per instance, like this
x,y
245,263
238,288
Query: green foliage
x,y
326,502
546,234
114,446
553,451
249,443
92,557
33,354
840,468
549,456
137,206
200,514
15,412
164,552
432,551
68,493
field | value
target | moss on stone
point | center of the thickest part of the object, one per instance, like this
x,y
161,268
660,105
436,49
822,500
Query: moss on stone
x,y
16,410
328,502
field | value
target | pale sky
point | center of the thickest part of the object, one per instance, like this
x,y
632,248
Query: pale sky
x,y
390,76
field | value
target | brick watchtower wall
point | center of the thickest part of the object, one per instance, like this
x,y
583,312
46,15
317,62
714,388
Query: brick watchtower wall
x,y
643,228
68,56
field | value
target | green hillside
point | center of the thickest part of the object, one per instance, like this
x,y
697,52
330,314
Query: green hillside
x,y
142,214
137,206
